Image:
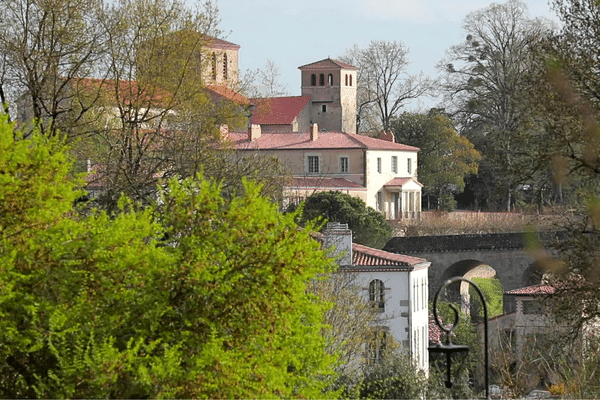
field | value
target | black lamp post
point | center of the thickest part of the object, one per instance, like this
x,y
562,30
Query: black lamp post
x,y
448,348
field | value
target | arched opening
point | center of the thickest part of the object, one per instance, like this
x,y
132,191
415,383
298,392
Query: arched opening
x,y
485,277
330,80
313,80
225,69
214,66
350,80
322,80
346,82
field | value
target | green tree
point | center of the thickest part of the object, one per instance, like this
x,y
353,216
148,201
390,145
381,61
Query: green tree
x,y
368,226
486,87
445,158
198,297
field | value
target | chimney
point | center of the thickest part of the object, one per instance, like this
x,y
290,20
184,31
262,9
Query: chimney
x,y
389,136
254,132
224,129
314,132
339,237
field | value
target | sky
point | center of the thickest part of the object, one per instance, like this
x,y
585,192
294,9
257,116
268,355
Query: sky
x,y
293,33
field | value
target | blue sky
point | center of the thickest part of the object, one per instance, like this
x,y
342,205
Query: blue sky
x,y
297,32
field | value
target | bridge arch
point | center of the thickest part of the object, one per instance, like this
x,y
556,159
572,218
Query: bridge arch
x,y
469,268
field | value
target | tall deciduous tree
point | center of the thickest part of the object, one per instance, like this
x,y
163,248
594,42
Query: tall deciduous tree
x,y
486,88
445,158
201,296
384,85
368,225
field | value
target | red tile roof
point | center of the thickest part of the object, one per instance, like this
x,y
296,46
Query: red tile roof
x,y
229,94
325,140
127,91
366,258
327,63
324,183
400,182
435,332
278,110
221,44
532,290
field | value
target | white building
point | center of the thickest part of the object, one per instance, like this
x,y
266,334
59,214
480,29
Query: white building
x,y
396,284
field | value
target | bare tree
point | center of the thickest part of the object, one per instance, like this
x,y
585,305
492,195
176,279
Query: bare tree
x,y
267,82
486,86
384,85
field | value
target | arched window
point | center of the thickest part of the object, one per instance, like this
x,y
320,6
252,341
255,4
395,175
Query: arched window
x,y
313,80
346,80
322,80
330,80
214,66
377,295
350,79
225,74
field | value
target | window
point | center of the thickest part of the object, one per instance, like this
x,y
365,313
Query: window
x,y
379,204
324,108
322,80
532,307
330,79
377,295
379,165
214,66
395,164
409,166
313,164
344,165
377,346
351,80
225,74
346,80
313,80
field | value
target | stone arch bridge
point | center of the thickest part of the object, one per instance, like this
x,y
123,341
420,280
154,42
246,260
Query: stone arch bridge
x,y
456,255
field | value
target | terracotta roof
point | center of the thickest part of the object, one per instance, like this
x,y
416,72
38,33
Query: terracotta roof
x,y
229,94
221,44
324,183
400,182
367,258
325,140
532,290
327,63
435,332
278,110
128,91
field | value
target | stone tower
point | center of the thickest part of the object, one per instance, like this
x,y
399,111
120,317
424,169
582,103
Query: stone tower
x,y
331,86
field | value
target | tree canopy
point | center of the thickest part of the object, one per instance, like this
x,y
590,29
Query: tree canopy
x,y
384,85
445,158
486,87
368,226
197,296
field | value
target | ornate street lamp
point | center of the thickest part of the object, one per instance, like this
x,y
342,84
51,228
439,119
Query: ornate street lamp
x,y
448,348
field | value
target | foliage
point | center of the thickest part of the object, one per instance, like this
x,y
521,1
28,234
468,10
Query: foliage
x,y
197,297
368,226
384,86
486,85
445,158
395,377
349,321
492,292
464,367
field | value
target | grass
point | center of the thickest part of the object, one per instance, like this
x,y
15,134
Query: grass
x,y
465,222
